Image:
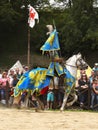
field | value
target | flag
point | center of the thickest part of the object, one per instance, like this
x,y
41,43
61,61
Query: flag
x,y
32,80
55,66
32,16
52,42
69,81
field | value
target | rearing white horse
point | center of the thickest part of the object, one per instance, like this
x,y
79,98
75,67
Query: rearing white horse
x,y
72,64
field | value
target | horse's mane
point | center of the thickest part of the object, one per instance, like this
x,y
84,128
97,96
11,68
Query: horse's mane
x,y
73,57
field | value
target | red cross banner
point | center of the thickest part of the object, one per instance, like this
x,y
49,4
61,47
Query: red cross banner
x,y
32,16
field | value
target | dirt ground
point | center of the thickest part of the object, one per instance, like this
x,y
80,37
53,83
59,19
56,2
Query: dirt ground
x,y
25,119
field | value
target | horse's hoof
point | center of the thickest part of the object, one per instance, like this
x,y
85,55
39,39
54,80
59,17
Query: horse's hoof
x,y
36,110
16,106
61,109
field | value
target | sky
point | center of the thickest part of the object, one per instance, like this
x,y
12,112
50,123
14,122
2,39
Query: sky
x,y
55,3
94,4
51,1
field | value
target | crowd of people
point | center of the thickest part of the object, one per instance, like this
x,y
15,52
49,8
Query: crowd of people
x,y
8,81
86,89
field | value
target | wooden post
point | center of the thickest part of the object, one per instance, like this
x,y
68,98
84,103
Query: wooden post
x,y
28,57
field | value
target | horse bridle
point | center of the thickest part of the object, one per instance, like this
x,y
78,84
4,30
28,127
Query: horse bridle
x,y
77,66
80,60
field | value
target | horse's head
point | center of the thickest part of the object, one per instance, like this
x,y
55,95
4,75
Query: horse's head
x,y
80,63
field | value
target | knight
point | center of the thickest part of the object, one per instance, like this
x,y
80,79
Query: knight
x,y
52,48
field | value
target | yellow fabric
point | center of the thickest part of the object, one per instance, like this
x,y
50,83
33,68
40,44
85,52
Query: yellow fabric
x,y
88,72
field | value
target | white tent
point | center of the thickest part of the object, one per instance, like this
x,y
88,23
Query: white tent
x,y
17,65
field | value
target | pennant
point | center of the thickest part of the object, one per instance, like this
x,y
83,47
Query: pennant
x,y
32,16
52,42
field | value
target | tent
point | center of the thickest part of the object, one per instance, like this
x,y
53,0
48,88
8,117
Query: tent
x,y
17,65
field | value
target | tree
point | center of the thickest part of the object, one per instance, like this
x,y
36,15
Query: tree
x,y
8,15
80,28
84,15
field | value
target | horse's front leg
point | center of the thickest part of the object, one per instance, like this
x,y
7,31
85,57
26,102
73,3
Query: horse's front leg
x,y
64,102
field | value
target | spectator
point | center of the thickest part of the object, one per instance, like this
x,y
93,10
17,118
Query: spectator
x,y
18,73
91,78
95,68
50,99
26,68
10,75
13,84
83,89
82,71
94,92
3,83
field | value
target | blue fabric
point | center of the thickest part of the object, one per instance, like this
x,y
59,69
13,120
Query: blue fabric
x,y
52,42
35,79
69,80
55,66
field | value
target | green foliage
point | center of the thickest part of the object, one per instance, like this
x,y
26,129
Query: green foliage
x,y
8,15
84,16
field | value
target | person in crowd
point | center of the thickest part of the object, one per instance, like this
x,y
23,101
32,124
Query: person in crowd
x,y
82,72
10,75
3,85
26,68
94,92
83,89
91,78
95,68
13,84
18,73
50,99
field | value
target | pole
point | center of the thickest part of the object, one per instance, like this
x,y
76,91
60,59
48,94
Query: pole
x,y
28,56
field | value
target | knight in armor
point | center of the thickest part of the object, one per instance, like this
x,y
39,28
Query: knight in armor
x,y
52,47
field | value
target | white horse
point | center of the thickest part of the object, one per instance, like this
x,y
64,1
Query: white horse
x,y
72,64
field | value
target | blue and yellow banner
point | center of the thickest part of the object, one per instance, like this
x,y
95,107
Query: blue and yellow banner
x,y
55,66
35,79
69,80
52,42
